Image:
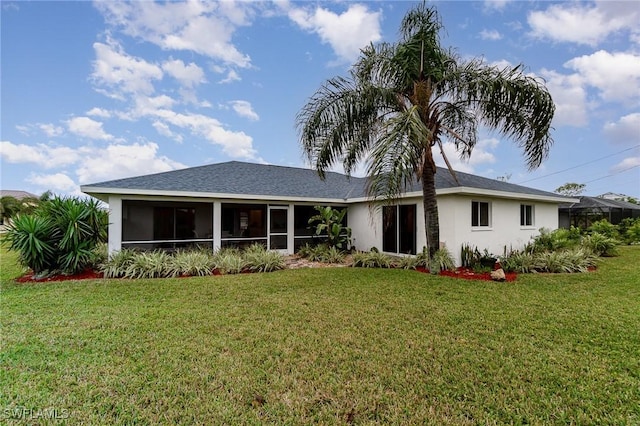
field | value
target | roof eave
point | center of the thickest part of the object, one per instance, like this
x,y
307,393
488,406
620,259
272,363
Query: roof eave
x,y
103,194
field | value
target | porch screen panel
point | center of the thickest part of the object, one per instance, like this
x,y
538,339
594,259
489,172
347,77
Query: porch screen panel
x,y
151,225
390,229
243,225
407,224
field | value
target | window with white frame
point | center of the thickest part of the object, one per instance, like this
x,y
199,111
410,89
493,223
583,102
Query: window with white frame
x,y
480,214
527,217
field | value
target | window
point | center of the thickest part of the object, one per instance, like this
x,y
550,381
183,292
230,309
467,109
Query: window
x,y
480,214
399,229
526,215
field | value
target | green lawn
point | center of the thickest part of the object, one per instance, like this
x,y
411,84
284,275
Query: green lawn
x,y
335,345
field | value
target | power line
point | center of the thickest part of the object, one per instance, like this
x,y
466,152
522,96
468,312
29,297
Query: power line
x,y
613,174
580,165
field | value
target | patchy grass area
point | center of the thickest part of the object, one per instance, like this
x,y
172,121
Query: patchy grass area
x,y
329,345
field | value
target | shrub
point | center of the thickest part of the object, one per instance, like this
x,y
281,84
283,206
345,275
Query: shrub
x,y
117,264
442,260
600,244
521,262
558,239
229,261
604,227
148,264
35,239
328,222
372,259
190,263
258,259
60,234
632,233
408,262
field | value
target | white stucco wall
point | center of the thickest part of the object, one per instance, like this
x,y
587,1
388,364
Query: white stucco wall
x,y
504,229
454,212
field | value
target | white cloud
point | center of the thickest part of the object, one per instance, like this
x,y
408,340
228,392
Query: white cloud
x,y
99,112
119,160
626,164
164,130
490,35
88,128
582,23
202,27
188,75
244,109
481,155
57,182
624,131
231,77
93,164
234,144
496,4
616,75
51,130
346,33
569,96
43,155
121,72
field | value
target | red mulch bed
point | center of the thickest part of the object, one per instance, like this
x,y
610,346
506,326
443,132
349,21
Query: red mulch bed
x,y
85,275
468,274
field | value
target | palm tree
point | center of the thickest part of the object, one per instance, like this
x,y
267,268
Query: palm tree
x,y
401,100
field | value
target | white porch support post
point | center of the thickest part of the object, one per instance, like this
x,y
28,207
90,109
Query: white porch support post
x,y
291,230
217,225
115,223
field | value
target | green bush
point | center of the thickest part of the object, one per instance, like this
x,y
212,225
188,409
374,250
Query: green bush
x,y
328,222
59,235
604,227
117,264
372,259
190,263
258,259
408,262
600,244
558,239
442,260
521,262
632,233
572,260
229,261
149,264
35,238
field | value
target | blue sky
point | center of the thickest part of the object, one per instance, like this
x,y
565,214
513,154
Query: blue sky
x,y
104,90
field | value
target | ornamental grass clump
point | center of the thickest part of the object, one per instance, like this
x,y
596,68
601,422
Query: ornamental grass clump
x,y
601,244
258,259
442,260
190,263
117,264
149,264
229,261
372,259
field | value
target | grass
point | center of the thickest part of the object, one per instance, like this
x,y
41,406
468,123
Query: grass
x,y
327,345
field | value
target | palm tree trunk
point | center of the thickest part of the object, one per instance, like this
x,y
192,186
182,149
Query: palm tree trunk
x,y
430,205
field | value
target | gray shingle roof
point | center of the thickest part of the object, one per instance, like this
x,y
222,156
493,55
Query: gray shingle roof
x,y
242,178
603,204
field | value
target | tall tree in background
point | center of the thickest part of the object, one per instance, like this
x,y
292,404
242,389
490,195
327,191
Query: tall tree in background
x,y
401,100
570,189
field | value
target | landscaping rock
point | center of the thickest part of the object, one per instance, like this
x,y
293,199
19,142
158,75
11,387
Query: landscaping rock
x,y
498,275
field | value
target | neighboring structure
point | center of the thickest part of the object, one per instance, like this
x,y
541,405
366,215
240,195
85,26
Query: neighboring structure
x,y
237,203
18,195
590,209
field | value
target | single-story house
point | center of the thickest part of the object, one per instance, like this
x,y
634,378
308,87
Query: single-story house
x,y
587,210
238,203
